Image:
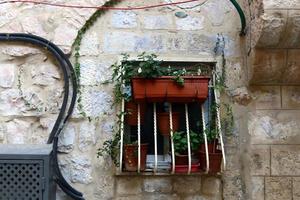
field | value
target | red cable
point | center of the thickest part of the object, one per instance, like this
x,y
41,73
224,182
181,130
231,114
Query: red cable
x,y
98,7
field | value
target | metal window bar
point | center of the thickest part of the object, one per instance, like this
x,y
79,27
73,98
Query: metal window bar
x,y
155,136
171,134
217,99
188,138
205,137
139,137
122,133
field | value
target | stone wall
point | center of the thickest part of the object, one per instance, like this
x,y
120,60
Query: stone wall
x,y
31,90
274,113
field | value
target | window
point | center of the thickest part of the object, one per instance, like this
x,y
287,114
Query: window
x,y
172,133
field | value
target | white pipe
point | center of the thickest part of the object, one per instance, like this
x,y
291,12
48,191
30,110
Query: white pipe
x,y
122,133
139,138
205,137
171,134
188,138
155,136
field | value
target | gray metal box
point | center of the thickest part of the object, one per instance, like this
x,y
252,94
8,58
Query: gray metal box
x,y
26,172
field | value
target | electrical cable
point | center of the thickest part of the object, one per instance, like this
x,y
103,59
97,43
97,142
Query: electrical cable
x,y
98,7
68,73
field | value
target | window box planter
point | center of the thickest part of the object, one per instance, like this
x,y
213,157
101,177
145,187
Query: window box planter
x,y
131,157
215,157
181,164
164,88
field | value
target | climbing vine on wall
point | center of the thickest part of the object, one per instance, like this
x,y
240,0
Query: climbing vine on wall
x,y
77,44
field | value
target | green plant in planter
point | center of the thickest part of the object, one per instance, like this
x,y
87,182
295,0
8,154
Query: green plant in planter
x,y
181,143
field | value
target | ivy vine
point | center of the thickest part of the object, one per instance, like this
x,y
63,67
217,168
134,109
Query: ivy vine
x,y
77,44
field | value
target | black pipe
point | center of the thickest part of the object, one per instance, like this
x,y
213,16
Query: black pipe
x,y
68,72
242,16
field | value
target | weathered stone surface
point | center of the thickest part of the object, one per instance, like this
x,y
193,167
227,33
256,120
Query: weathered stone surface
x,y
292,70
161,196
64,35
187,185
131,42
129,186
278,188
268,67
160,185
7,75
157,22
86,135
124,19
273,28
211,186
96,102
33,25
201,197
45,74
292,37
18,50
260,160
11,102
285,160
190,23
258,188
274,127
269,4
241,96
216,11
266,97
90,45
81,169
67,139
290,97
17,131
296,188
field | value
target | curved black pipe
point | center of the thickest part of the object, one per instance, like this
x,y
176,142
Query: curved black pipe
x,y
242,16
68,72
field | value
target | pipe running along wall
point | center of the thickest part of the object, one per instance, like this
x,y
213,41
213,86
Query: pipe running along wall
x,y
67,106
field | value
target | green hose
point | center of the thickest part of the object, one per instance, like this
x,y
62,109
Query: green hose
x,y
242,16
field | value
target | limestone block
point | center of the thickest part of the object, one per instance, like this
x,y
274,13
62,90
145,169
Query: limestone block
x,y
202,197
216,11
67,139
17,131
94,71
290,97
129,197
233,186
258,188
96,102
293,4
292,36
11,102
7,14
260,160
211,186
86,135
45,74
187,185
64,36
278,188
157,22
129,186
274,127
266,97
54,99
292,70
124,19
190,23
7,75
117,42
296,188
268,67
81,169
90,44
104,186
33,25
160,185
161,196
200,43
285,160
273,28
18,50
